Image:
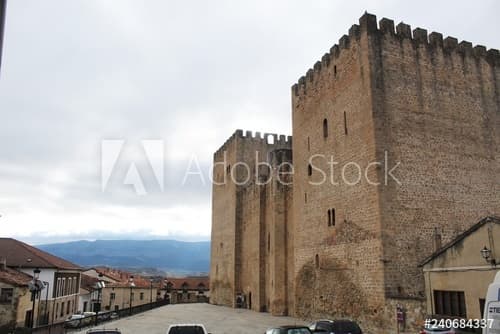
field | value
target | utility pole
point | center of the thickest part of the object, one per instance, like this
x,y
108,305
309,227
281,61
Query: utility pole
x,y
3,8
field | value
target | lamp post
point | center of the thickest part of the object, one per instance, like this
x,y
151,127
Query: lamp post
x,y
132,285
99,286
34,290
3,8
151,294
46,315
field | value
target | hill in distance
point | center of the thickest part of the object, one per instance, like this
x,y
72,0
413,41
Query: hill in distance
x,y
171,256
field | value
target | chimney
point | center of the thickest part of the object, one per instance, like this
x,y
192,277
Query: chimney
x,y
3,264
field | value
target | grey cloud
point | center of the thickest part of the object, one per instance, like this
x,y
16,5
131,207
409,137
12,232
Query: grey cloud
x,y
188,72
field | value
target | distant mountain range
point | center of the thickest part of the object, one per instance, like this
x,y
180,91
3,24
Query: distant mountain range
x,y
169,256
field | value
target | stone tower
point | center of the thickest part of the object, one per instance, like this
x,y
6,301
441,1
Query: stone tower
x,y
252,230
387,102
396,149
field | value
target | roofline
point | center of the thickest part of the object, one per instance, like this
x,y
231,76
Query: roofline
x,y
49,264
460,237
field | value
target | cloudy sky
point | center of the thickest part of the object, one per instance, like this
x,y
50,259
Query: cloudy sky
x,y
165,82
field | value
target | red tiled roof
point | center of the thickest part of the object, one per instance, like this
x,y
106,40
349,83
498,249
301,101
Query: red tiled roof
x,y
122,278
14,277
19,254
88,282
191,282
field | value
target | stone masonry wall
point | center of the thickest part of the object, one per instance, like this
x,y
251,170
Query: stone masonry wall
x,y
437,110
338,268
239,260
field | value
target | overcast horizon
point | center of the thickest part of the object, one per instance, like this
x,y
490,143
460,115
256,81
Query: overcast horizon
x,y
76,74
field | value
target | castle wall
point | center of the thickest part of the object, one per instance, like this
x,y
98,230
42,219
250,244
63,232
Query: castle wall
x,y
242,219
338,269
223,235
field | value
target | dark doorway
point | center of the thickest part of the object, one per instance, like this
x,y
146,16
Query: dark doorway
x,y
250,300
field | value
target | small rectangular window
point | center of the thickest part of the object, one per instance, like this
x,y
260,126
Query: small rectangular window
x,y
331,217
451,303
6,295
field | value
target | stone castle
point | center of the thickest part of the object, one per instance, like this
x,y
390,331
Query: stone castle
x,y
396,150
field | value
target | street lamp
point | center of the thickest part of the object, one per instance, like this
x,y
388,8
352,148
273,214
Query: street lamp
x,y
46,315
3,5
99,286
151,294
486,254
132,285
34,287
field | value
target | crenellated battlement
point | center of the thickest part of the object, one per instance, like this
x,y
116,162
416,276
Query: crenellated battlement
x,y
419,36
265,138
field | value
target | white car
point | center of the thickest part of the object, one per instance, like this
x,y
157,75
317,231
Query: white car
x,y
187,329
75,321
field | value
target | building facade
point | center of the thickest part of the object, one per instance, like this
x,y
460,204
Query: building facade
x,y
60,278
395,152
15,299
195,289
122,289
457,276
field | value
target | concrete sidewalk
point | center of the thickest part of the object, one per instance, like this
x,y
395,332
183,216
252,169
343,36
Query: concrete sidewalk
x,y
217,320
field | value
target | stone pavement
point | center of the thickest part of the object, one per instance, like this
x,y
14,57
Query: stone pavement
x,y
217,320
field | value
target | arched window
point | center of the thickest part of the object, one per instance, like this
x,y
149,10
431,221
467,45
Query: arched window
x,y
325,128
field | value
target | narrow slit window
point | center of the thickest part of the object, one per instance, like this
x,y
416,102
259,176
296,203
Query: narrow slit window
x,y
329,218
309,170
345,123
325,128
332,217
335,70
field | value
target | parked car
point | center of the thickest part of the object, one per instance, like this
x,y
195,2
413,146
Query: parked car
x,y
187,329
74,321
335,327
104,331
289,330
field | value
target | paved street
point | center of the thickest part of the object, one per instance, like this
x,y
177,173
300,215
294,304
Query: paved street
x,y
217,320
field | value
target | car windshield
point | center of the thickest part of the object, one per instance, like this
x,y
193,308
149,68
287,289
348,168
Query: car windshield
x,y
299,331
186,330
